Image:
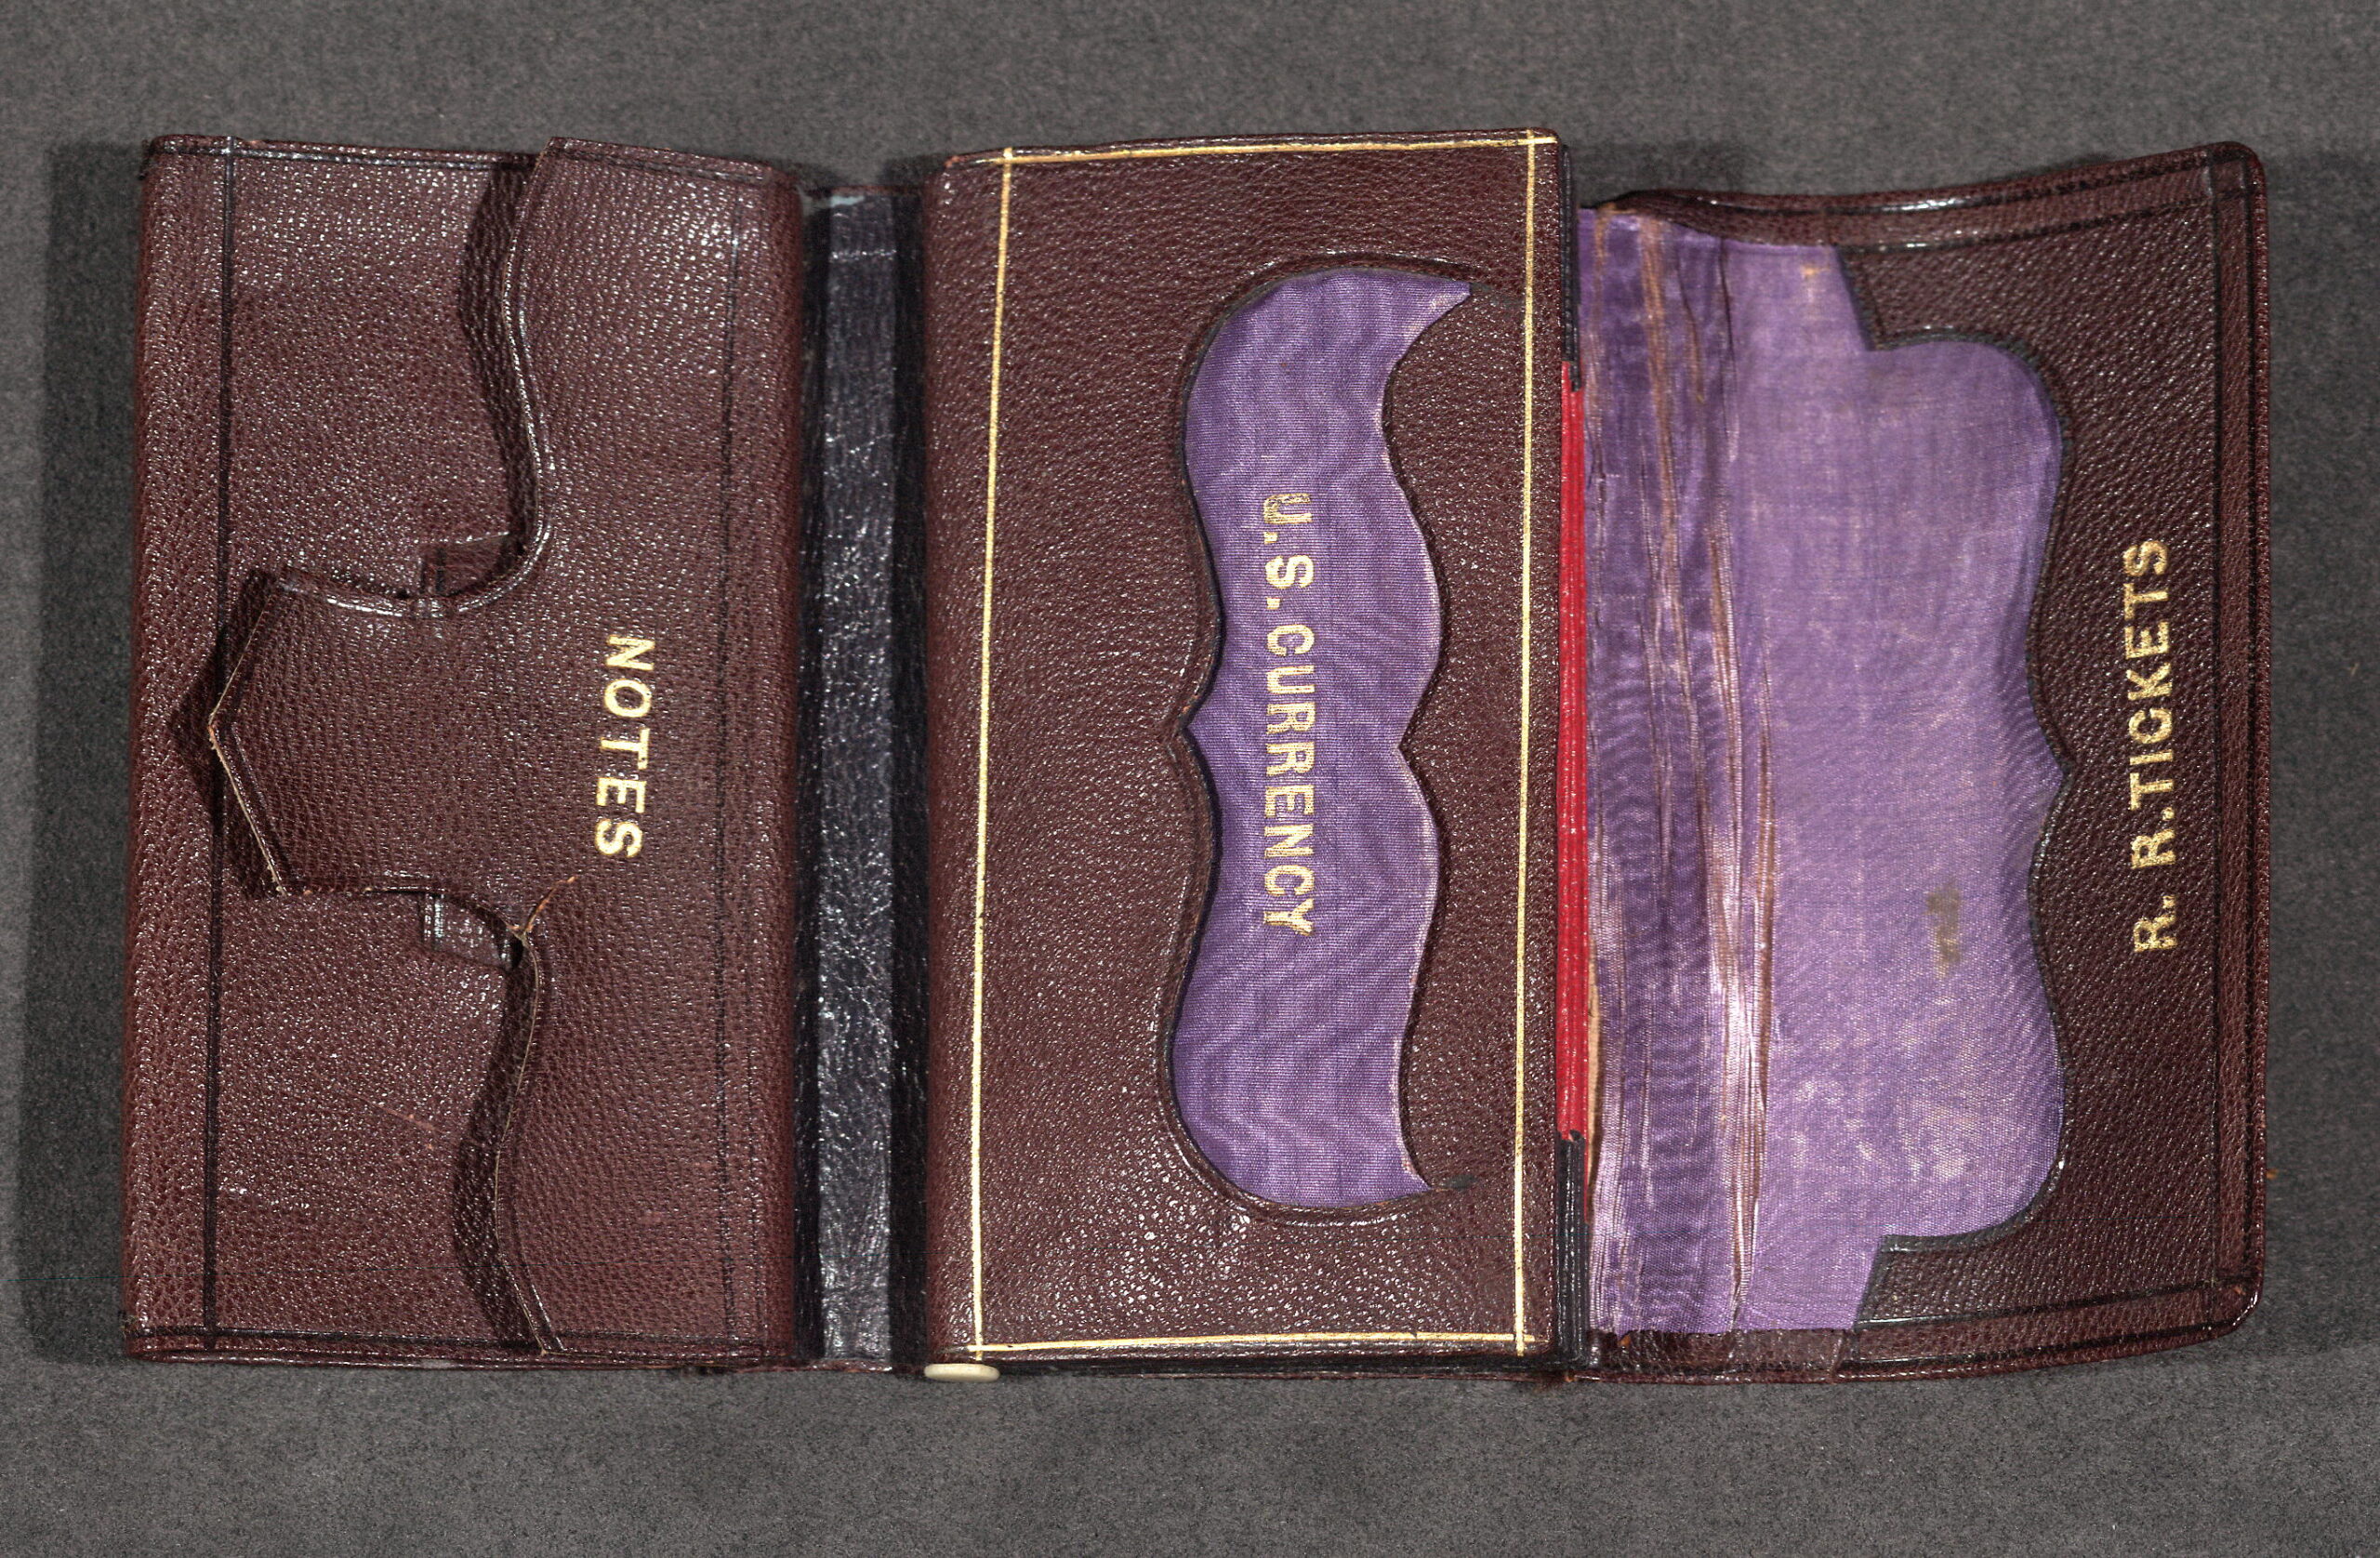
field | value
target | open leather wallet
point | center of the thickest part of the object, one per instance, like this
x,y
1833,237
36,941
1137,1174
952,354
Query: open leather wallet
x,y
1270,757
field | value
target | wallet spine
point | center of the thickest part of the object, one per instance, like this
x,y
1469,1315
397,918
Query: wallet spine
x,y
865,562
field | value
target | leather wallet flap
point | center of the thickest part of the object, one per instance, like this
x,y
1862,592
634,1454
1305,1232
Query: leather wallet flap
x,y
569,743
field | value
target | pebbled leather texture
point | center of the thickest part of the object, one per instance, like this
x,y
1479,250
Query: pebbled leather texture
x,y
2135,290
573,1143
416,1073
1071,1218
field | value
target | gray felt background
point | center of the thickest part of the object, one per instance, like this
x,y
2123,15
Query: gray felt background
x,y
2264,1442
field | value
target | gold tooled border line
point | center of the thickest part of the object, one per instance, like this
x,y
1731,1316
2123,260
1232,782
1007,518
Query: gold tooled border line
x,y
1012,156
1008,160
1115,1344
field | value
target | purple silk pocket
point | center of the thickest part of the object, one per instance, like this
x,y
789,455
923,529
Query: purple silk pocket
x,y
1287,1054
1817,782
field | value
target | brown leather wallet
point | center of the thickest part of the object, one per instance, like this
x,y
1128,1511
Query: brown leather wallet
x,y
1274,755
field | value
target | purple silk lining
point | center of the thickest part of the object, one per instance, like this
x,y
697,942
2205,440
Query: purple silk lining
x,y
1293,1015
1815,782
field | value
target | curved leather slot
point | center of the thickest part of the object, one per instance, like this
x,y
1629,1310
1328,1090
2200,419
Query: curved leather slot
x,y
1287,1053
2134,291
590,746
2138,312
1819,780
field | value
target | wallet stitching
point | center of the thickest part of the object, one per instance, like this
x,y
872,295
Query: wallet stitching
x,y
2217,1236
232,151
2065,1306
2049,187
755,175
494,1345
719,763
2005,1359
2084,224
211,1163
2229,1228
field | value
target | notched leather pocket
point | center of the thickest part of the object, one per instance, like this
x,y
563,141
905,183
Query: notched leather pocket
x,y
2134,294
575,738
1818,783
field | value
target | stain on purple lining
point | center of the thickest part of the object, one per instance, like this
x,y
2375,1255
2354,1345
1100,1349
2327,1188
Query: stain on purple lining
x,y
1817,782
1287,1056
